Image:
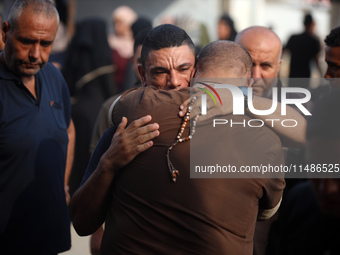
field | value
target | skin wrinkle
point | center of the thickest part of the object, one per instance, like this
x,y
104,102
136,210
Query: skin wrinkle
x,y
265,49
30,44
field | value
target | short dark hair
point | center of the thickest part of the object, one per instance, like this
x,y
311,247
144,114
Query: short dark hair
x,y
165,36
333,38
308,20
230,56
325,120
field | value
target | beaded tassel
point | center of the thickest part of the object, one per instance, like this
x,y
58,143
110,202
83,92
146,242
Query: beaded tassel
x,y
175,173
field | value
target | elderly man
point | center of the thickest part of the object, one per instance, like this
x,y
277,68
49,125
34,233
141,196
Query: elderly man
x,y
265,49
36,135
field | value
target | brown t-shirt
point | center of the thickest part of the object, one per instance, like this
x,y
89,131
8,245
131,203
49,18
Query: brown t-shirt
x,y
150,214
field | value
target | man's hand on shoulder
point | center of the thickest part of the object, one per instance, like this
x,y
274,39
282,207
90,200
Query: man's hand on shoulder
x,y
128,142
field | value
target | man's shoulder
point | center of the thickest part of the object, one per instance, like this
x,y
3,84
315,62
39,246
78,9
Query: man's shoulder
x,y
144,95
52,74
256,139
50,69
293,37
149,100
6,74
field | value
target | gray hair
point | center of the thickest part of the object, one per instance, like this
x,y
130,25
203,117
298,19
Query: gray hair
x,y
45,7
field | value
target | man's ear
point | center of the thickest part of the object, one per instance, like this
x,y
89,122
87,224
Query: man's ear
x,y
142,75
5,30
193,73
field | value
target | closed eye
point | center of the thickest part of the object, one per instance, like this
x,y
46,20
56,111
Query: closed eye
x,y
266,66
26,41
159,70
183,69
46,43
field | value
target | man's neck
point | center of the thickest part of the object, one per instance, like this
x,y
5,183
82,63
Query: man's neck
x,y
2,58
28,81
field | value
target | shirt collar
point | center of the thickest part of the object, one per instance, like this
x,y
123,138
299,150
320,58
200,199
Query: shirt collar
x,y
6,74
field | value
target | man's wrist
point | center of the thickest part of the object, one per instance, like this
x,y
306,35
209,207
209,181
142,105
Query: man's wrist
x,y
106,166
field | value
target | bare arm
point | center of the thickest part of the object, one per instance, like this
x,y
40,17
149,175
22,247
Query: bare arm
x,y
71,14
96,241
90,202
71,131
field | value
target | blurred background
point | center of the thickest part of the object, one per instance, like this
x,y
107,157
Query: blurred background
x,y
283,16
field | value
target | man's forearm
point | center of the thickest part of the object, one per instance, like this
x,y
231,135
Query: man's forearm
x,y
71,131
90,202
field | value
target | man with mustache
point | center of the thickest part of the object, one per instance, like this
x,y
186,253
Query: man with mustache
x,y
265,49
36,135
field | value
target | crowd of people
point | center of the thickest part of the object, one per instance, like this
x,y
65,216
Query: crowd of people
x,y
99,130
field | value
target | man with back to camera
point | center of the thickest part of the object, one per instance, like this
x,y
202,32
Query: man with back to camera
x,y
210,216
104,121
37,135
160,73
